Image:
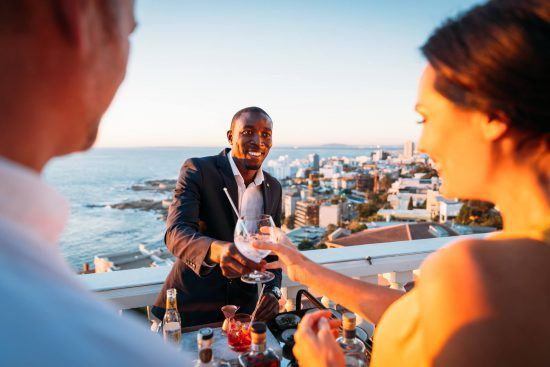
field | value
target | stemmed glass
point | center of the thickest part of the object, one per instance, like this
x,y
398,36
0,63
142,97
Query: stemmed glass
x,y
247,230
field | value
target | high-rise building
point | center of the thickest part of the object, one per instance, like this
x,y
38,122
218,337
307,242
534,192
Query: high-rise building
x,y
290,201
314,161
365,182
408,149
307,214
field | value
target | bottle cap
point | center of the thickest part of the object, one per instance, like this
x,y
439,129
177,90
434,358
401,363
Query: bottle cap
x,y
348,321
205,334
259,327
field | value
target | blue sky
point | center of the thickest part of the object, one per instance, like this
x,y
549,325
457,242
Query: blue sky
x,y
326,71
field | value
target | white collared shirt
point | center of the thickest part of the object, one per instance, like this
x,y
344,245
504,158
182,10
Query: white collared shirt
x,y
251,201
47,317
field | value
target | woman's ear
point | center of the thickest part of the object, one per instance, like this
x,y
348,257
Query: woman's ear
x,y
493,127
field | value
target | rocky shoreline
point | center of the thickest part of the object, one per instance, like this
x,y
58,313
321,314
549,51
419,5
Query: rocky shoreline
x,y
157,206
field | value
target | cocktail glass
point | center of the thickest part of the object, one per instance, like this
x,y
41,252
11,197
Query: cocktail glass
x,y
247,230
229,312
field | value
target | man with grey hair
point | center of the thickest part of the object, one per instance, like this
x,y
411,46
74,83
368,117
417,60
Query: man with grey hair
x,y
61,64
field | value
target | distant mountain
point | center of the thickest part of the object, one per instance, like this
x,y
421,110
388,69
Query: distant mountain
x,y
336,145
345,146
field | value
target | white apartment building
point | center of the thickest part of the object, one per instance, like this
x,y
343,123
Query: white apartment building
x,y
290,201
408,149
331,170
433,198
449,209
330,214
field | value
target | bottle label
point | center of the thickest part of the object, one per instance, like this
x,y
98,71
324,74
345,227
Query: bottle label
x,y
205,355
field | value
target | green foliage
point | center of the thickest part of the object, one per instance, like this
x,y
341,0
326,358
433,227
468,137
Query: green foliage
x,y
385,182
356,226
305,245
428,171
376,218
330,228
376,202
479,213
289,222
320,246
422,205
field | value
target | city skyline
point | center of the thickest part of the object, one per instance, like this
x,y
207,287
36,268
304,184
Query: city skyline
x,y
311,65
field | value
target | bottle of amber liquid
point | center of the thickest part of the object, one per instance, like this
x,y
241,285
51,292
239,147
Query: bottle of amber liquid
x,y
171,323
259,355
353,348
205,339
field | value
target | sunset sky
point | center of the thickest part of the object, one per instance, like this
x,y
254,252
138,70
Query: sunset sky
x,y
326,71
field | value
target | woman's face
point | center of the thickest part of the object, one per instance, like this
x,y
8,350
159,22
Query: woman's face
x,y
453,139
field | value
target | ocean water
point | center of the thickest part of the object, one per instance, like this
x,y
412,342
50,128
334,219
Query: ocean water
x,y
93,180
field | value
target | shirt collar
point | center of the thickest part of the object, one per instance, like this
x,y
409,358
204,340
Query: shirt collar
x,y
259,174
28,202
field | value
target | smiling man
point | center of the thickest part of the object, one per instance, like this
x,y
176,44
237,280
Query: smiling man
x,y
201,222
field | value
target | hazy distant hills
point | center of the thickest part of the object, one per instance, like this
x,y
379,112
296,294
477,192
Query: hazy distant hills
x,y
345,146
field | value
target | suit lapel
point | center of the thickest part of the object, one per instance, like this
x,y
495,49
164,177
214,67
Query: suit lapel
x,y
268,195
229,180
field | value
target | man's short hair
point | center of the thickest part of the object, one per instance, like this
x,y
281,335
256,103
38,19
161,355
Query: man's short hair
x,y
251,110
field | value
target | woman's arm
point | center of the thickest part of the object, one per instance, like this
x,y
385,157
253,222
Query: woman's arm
x,y
368,300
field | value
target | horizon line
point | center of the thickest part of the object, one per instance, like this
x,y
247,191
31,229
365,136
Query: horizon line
x,y
282,146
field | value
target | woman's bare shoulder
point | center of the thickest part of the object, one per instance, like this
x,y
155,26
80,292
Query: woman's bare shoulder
x,y
494,260
478,295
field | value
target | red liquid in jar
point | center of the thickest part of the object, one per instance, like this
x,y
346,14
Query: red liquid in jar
x,y
238,337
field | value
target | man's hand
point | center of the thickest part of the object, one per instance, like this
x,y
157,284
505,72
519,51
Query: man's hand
x,y
268,308
232,263
315,344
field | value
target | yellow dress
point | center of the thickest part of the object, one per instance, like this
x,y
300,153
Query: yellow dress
x,y
398,338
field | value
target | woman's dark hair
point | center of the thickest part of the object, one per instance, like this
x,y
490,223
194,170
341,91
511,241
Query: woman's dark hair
x,y
496,58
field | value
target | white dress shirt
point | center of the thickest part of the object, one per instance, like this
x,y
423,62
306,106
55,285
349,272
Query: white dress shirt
x,y
251,201
47,317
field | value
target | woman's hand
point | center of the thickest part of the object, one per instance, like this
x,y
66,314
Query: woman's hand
x,y
290,258
314,341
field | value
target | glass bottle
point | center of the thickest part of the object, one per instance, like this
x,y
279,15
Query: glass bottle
x,y
205,339
259,355
354,349
171,323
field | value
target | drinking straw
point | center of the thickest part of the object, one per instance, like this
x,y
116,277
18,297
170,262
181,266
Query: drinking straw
x,y
231,201
235,209
257,304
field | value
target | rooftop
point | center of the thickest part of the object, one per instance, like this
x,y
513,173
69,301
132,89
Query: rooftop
x,y
395,233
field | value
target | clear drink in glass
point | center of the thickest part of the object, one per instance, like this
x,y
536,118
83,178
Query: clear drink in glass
x,y
247,230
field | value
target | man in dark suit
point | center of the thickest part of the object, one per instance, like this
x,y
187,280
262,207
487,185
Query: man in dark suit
x,y
201,222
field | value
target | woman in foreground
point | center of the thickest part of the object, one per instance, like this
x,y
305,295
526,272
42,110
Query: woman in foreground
x,y
484,98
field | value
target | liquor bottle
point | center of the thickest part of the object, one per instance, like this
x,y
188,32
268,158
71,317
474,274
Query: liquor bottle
x,y
354,349
171,323
205,339
259,355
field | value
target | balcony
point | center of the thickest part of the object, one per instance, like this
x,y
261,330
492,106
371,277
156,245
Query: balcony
x,y
395,261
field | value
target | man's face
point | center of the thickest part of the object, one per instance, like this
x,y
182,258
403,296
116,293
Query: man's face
x,y
250,140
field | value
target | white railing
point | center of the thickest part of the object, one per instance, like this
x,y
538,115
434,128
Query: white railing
x,y
396,260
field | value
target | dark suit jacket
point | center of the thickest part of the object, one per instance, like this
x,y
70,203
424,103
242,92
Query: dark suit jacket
x,y
199,215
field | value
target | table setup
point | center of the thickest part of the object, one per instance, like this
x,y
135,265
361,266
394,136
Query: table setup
x,y
241,340
232,337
